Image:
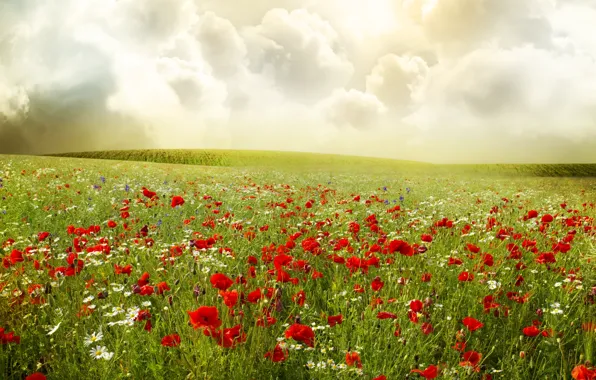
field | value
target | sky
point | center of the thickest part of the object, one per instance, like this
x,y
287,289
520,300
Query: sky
x,y
444,81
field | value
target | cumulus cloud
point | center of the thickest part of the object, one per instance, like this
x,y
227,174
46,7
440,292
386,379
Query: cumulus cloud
x,y
413,79
353,108
395,78
301,51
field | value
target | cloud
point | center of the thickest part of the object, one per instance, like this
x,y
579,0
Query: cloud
x,y
415,79
510,94
394,78
353,108
302,53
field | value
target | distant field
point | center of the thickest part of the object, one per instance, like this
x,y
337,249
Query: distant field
x,y
310,161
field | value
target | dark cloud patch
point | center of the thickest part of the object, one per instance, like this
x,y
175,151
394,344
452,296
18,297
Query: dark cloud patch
x,y
73,119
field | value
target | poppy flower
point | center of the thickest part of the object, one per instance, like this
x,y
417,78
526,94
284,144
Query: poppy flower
x,y
299,298
254,296
205,317
279,354
431,372
221,281
333,320
230,297
377,284
416,306
471,359
465,276
353,359
426,277
177,201
170,340
531,331
112,224
581,372
301,333
36,376
547,218
380,377
386,315
228,337
162,287
472,324
148,193
427,328
144,280
426,238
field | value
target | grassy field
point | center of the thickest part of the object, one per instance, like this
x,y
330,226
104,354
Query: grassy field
x,y
257,266
310,161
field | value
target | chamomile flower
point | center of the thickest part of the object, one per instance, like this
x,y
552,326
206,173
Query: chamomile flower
x,y
93,338
100,352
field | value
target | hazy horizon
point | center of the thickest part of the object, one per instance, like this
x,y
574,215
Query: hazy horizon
x,y
440,81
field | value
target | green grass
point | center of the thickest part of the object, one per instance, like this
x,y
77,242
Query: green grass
x,y
312,161
33,198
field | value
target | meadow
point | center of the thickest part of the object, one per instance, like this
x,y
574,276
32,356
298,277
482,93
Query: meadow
x,y
289,266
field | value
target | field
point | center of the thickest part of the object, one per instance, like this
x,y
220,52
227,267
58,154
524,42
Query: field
x,y
289,266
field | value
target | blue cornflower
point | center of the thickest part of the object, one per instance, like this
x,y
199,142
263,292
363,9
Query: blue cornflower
x,y
126,188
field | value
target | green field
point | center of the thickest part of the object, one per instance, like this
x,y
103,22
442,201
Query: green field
x,y
404,252
310,161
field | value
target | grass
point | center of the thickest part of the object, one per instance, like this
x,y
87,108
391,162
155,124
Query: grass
x,y
310,161
35,198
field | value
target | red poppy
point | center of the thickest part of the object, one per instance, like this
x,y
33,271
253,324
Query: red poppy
x,y
333,320
9,338
426,238
581,372
228,337
162,287
353,359
112,224
531,331
205,317
127,269
144,280
221,281
36,376
278,354
177,201
380,377
386,315
547,218
299,298
465,276
170,340
416,306
472,248
471,359
430,372
427,328
42,236
148,193
301,333
377,284
254,296
472,324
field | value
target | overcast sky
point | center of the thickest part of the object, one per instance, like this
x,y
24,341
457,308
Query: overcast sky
x,y
429,80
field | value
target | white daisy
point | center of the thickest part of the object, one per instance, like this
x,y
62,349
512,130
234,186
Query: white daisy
x,y
100,352
94,337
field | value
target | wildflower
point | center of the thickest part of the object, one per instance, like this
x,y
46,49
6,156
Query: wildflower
x,y
94,337
100,352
